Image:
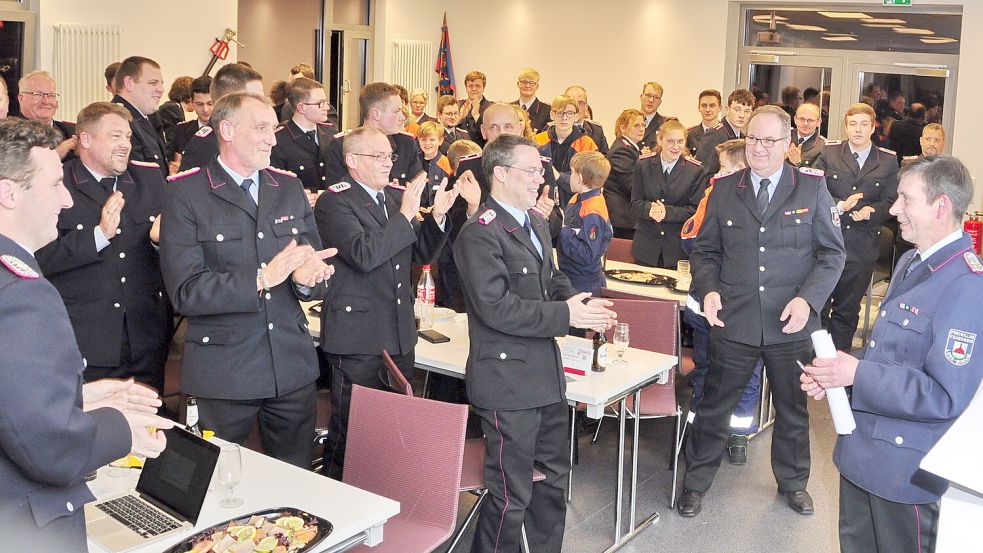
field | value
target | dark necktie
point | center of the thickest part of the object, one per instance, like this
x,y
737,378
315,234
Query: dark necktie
x,y
532,235
667,171
801,140
762,197
380,198
915,262
246,185
856,157
312,134
106,187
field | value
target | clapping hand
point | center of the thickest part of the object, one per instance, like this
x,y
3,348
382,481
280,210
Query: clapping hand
x,y
443,200
314,271
122,395
111,210
412,196
592,315
862,214
470,190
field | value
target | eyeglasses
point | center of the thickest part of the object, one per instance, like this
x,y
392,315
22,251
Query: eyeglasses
x,y
652,97
320,103
564,114
528,83
768,143
43,95
381,158
931,140
806,120
531,172
453,114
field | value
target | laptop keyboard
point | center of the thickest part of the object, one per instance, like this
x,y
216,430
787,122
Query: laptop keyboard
x,y
138,516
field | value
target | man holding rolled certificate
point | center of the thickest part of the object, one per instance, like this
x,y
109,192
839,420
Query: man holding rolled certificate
x,y
918,372
764,263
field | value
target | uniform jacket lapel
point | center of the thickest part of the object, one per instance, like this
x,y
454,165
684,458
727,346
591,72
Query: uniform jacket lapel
x,y
372,206
745,191
270,193
87,185
225,188
848,158
786,186
874,158
301,138
515,229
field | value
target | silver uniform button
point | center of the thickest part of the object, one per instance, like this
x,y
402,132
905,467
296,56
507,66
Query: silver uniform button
x,y
873,343
152,218
761,288
399,301
525,270
761,229
502,355
397,266
399,285
729,222
898,440
122,279
662,233
122,255
270,326
204,340
877,184
69,506
835,177
262,265
293,230
348,309
403,176
119,231
79,227
85,362
854,187
848,226
268,296
219,237
762,248
259,235
904,322
301,167
883,313
116,305
761,268
798,221
322,165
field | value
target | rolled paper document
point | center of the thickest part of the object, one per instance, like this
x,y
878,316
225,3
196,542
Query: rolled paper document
x,y
839,404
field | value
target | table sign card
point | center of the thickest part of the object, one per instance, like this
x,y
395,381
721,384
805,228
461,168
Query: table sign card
x,y
576,354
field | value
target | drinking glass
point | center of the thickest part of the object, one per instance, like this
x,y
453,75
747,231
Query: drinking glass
x,y
229,473
621,338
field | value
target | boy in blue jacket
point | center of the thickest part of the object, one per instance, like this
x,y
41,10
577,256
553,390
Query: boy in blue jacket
x,y
587,232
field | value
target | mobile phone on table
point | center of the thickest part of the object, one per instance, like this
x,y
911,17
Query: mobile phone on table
x,y
433,336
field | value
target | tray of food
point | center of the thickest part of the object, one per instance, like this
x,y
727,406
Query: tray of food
x,y
640,277
282,530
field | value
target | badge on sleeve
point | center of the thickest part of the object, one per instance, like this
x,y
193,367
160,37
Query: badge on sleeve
x,y
836,216
959,346
593,232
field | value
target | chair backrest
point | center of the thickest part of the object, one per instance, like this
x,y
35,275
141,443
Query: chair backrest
x,y
397,381
408,449
616,294
620,250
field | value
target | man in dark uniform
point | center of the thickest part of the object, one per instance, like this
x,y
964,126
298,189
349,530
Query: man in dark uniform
x,y
474,106
593,129
234,77
517,303
104,263
302,143
807,143
651,99
863,180
38,99
708,105
238,249
55,430
539,112
139,87
201,101
374,224
740,103
448,112
905,134
766,259
382,109
917,375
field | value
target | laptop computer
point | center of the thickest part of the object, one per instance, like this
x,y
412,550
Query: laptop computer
x,y
167,499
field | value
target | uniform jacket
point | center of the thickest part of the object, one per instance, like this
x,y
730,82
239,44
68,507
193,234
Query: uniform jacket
x,y
649,139
240,344
539,115
680,192
758,264
100,288
371,303
811,148
471,125
296,152
623,157
406,166
437,170
584,239
919,372
561,154
148,144
694,135
201,150
595,131
452,137
171,114
515,303
47,443
707,152
178,139
878,180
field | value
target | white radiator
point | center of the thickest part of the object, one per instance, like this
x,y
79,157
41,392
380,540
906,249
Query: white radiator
x,y
413,62
81,54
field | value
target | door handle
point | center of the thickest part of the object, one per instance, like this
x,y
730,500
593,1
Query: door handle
x,y
346,87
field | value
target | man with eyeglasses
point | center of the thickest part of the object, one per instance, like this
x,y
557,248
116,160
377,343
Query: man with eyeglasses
x,y
539,112
807,143
708,105
381,108
139,86
518,302
561,142
766,258
863,179
448,113
379,232
591,128
651,99
38,99
302,143
740,104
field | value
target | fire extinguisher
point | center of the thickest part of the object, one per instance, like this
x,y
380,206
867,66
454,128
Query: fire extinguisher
x,y
974,227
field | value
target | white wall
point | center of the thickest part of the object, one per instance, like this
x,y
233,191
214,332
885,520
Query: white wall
x,y
176,33
612,47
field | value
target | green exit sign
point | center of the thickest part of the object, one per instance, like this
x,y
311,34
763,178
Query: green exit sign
x,y
897,2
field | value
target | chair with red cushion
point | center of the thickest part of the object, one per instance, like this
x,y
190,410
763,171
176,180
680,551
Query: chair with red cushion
x,y
620,250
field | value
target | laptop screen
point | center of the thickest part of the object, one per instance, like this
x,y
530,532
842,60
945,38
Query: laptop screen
x,y
179,477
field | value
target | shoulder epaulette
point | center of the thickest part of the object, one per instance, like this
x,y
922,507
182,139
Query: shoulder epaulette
x,y
339,187
648,155
973,261
469,157
280,128
204,131
693,160
693,128
812,171
725,174
18,267
187,122
546,159
487,216
409,134
281,171
834,142
147,164
886,151
910,158
326,124
718,126
183,174
342,133
396,186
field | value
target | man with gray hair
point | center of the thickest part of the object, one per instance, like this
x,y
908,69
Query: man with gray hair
x,y
917,374
238,249
38,99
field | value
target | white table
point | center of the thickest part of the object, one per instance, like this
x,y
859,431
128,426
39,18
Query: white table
x,y
357,515
658,292
596,390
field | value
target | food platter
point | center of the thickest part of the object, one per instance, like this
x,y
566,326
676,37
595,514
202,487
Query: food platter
x,y
281,530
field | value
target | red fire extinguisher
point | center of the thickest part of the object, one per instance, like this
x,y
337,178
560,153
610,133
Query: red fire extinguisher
x,y
974,227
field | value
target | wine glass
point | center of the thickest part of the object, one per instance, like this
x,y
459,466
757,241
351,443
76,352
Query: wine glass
x,y
229,473
621,338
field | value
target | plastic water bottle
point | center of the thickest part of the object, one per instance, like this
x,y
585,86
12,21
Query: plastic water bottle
x,y
426,296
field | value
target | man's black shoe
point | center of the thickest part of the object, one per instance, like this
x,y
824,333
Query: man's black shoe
x,y
690,503
737,449
800,502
